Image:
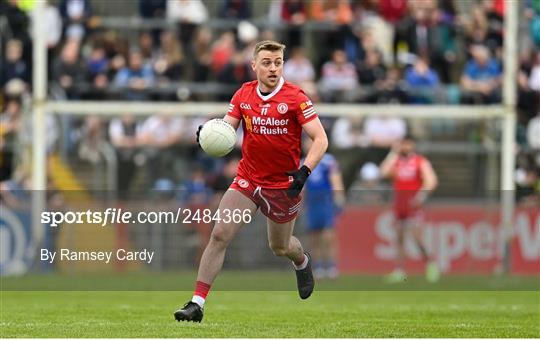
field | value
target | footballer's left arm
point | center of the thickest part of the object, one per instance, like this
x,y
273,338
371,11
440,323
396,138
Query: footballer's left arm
x,y
429,177
429,182
315,131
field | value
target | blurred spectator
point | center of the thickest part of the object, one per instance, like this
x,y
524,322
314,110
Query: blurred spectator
x,y
339,81
123,133
534,78
53,25
390,90
528,85
161,131
347,143
347,133
17,20
476,26
235,72
69,69
92,139
202,55
152,9
14,66
535,29
138,76
10,124
169,61
368,187
299,70
393,10
533,132
146,46
53,30
338,12
75,15
189,14
158,136
412,36
481,79
294,14
222,51
372,70
235,9
527,178
422,82
97,62
494,13
383,132
443,46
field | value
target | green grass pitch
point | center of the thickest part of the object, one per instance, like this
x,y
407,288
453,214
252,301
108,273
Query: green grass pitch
x,y
328,313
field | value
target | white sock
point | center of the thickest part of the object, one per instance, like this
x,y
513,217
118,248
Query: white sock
x,y
303,265
198,300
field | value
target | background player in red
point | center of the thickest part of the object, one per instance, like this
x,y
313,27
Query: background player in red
x,y
273,113
413,181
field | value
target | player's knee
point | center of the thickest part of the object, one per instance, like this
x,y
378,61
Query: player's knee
x,y
219,237
278,250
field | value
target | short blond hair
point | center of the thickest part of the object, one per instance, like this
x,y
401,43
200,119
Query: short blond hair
x,y
268,45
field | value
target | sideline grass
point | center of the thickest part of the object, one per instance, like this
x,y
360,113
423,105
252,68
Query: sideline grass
x,y
272,314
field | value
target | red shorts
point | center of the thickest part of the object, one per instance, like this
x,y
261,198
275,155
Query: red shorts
x,y
274,203
404,207
416,215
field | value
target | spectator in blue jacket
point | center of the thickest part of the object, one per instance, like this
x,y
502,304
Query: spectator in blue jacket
x,y
137,76
422,82
481,79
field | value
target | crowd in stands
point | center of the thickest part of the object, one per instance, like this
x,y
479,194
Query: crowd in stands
x,y
357,51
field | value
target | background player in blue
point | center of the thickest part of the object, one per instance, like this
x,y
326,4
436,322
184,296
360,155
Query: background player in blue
x,y
324,198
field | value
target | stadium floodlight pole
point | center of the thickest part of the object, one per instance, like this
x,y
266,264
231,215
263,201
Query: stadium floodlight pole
x,y
509,124
39,93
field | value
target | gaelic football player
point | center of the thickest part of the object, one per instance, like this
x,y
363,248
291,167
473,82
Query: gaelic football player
x,y
273,113
413,181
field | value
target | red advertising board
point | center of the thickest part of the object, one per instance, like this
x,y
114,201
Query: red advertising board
x,y
462,239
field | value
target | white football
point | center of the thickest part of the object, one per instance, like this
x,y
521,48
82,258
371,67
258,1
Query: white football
x,y
217,137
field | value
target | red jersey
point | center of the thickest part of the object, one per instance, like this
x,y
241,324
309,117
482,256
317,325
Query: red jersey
x,y
408,173
272,127
407,182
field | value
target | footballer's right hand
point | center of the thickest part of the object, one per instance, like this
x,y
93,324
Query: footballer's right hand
x,y
198,133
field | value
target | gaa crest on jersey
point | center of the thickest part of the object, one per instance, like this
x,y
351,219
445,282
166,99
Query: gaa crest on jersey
x,y
243,183
282,108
